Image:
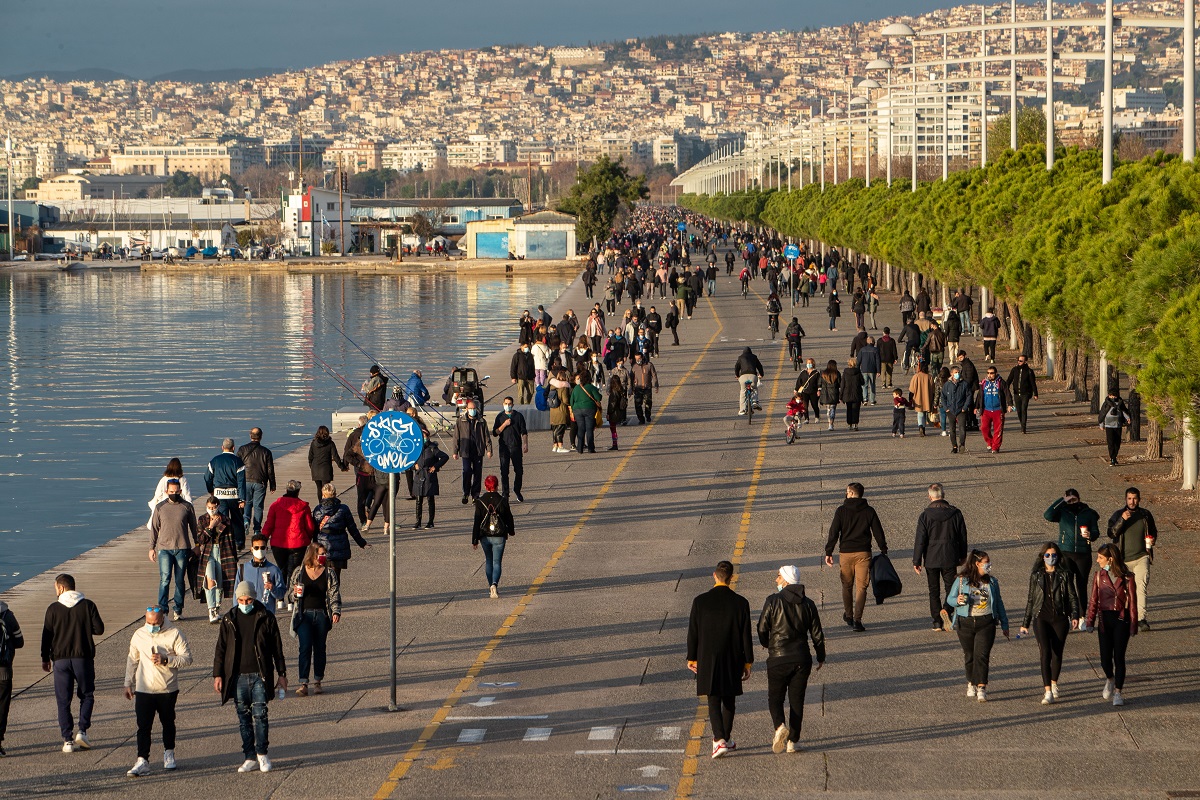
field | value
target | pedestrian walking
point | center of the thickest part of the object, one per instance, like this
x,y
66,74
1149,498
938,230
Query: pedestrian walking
x,y
956,404
1052,610
157,651
1114,416
672,323
523,373
1112,611
11,640
316,597
994,402
900,406
69,649
868,366
335,526
512,439
248,666
173,530
492,528
174,470
940,549
989,326
472,442
585,407
788,620
425,480
289,527
260,479
854,524
887,356
830,391
721,653
834,309
643,383
266,578
364,473
558,398
1134,533
322,455
218,558
978,609
1078,527
921,395
808,384
226,481
1022,385
618,406
852,392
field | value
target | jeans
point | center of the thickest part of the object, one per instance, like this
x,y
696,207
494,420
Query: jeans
x,y
898,421
74,676
145,707
869,387
1114,639
511,457
251,696
212,571
922,419
493,556
989,349
288,559
977,635
229,509
1051,637
364,486
1141,575
171,561
833,323
831,413
964,317
312,632
472,474
585,439
939,579
712,287
790,677
855,570
721,709
256,498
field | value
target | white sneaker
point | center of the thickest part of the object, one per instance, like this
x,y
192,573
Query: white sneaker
x,y
213,615
945,434
176,616
1047,698
792,747
1107,692
719,748
168,759
264,763
141,767
1054,690
249,765
981,694
68,747
492,592
781,738
970,690
81,741
1117,699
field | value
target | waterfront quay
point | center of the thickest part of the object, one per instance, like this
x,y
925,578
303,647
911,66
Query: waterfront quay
x,y
573,683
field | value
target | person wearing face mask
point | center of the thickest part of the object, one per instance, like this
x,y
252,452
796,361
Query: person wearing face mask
x,y
643,383
265,577
157,651
1053,609
173,530
956,402
1112,613
541,361
513,438
808,384
1078,527
788,620
521,370
316,607
247,659
69,649
472,442
218,558
585,402
978,609
289,527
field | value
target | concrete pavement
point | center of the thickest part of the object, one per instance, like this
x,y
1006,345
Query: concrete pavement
x,y
573,683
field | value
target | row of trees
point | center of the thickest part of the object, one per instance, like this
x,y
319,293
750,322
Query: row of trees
x,y
1114,267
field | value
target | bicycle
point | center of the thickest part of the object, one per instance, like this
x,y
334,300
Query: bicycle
x,y
794,350
789,430
773,324
750,398
745,289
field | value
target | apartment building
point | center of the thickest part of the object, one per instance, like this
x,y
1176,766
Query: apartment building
x,y
407,156
207,159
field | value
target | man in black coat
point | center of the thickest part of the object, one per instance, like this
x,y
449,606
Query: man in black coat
x,y
654,326
1022,384
854,523
970,376
720,651
513,436
941,547
472,441
887,356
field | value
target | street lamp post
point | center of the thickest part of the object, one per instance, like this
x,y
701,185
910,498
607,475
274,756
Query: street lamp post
x,y
834,112
882,64
1189,80
1108,91
1012,85
8,183
867,85
902,30
1049,84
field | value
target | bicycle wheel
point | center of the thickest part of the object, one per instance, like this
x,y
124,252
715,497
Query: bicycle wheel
x,y
790,434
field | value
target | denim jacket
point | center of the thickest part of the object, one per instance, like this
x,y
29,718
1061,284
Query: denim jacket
x,y
963,586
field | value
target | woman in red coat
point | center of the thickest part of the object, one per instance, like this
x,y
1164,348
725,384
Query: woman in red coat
x,y
289,527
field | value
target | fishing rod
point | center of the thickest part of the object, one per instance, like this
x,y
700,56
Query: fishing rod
x,y
373,359
341,380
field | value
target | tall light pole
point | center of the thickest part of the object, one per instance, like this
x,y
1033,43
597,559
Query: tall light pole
x,y
882,64
1049,84
983,94
867,85
1108,91
834,112
1012,84
1189,80
902,30
8,183
945,110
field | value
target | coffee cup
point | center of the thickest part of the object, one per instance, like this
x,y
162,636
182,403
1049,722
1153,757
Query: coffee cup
x,y
299,590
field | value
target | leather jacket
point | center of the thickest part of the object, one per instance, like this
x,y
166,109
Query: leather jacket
x,y
1062,587
787,621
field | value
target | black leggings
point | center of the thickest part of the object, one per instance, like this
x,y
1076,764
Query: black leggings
x,y
1112,437
1114,639
381,496
1051,638
288,559
720,715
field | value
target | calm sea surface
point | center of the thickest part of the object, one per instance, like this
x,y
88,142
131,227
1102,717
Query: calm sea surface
x,y
105,376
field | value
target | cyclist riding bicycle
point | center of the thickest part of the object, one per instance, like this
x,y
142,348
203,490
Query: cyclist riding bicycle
x,y
774,308
794,334
748,370
744,277
795,411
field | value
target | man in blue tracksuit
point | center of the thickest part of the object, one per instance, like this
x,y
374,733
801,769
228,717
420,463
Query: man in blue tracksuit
x,y
226,481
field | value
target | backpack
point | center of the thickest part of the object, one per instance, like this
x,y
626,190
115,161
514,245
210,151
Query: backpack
x,y
539,399
492,524
552,398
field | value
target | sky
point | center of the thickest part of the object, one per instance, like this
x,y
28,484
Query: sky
x,y
144,38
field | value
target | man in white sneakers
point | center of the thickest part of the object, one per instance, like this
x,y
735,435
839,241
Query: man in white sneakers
x,y
157,651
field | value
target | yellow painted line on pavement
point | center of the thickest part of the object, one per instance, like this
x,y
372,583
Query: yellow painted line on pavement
x,y
464,685
691,758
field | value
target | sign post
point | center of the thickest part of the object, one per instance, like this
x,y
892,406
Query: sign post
x,y
792,252
392,442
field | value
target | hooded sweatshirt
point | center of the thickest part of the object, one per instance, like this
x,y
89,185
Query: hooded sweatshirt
x,y
71,622
141,674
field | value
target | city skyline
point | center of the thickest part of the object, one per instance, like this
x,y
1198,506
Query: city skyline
x,y
266,40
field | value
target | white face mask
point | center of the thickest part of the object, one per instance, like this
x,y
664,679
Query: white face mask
x,y
508,407
259,555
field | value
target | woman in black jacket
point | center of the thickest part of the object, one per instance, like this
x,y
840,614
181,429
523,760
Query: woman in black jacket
x,y
493,525
831,391
1053,609
852,389
834,307
322,454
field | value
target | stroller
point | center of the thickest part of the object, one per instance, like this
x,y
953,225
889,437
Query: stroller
x,y
464,384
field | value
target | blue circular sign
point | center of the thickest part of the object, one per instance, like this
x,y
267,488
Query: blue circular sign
x,y
392,441
682,226
792,252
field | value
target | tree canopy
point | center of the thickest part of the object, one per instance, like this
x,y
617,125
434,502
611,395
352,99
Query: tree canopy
x,y
599,194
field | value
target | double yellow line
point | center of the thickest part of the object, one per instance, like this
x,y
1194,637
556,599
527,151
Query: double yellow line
x,y
464,685
691,758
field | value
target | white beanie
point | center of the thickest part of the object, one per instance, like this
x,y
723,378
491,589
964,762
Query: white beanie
x,y
790,574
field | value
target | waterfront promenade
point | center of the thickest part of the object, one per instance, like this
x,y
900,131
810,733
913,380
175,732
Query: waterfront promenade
x,y
573,683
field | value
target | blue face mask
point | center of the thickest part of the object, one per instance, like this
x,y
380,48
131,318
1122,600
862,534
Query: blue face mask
x,y
245,608
1050,558
154,628
987,568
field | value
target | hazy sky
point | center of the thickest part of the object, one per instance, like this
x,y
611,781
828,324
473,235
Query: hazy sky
x,y
144,38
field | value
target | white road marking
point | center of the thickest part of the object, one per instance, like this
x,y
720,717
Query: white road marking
x,y
484,702
651,770
501,684
602,734
481,719
667,734
537,734
612,751
471,735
